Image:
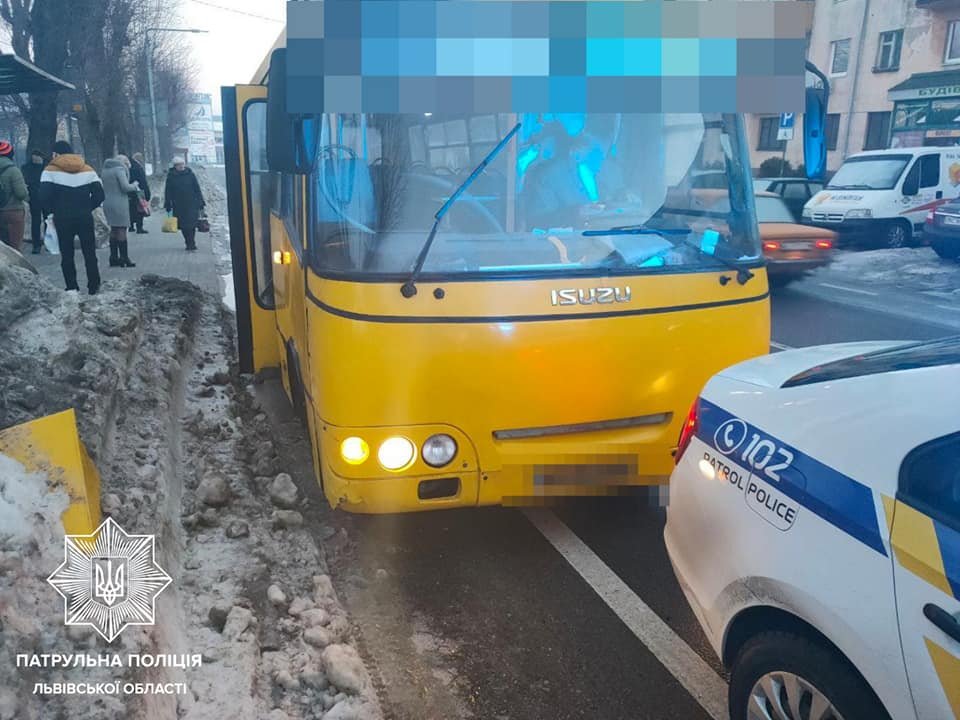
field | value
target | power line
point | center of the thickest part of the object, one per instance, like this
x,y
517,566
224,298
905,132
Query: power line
x,y
238,12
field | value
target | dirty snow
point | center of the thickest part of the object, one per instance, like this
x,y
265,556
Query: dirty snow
x,y
915,268
26,500
185,453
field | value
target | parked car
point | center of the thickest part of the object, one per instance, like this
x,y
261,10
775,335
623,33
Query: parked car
x,y
791,249
881,198
795,191
814,527
942,230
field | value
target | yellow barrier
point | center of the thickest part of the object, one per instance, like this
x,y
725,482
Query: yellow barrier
x,y
52,445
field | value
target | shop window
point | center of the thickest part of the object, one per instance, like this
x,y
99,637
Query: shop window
x,y
888,51
832,130
878,128
839,56
769,126
952,54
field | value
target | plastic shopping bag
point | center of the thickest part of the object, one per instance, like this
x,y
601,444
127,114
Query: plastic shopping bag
x,y
170,224
50,240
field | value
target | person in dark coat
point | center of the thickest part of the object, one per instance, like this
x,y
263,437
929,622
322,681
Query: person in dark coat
x,y
182,197
138,175
32,171
71,190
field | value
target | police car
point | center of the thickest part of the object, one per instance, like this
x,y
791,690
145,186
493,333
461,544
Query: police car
x,y
814,526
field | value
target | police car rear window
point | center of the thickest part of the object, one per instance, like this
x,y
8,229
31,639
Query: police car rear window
x,y
945,351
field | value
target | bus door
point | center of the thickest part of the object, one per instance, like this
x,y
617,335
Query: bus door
x,y
250,193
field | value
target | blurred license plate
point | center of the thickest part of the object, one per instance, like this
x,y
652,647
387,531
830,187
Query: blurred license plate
x,y
948,220
798,245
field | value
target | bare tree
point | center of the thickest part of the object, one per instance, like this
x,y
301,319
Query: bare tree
x,y
39,32
101,46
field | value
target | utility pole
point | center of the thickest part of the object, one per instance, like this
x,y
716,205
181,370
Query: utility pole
x,y
153,106
153,100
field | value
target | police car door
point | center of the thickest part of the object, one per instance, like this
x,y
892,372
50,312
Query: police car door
x,y
926,541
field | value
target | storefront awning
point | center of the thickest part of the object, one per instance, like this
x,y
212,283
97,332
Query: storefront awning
x,y
19,76
926,86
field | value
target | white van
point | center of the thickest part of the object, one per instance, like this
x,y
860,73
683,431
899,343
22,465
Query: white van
x,y
882,197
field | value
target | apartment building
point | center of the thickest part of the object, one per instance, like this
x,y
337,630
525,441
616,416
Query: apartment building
x,y
894,69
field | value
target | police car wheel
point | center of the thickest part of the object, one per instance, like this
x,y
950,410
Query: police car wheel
x,y
785,675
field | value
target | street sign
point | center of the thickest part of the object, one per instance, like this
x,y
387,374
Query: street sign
x,y
785,131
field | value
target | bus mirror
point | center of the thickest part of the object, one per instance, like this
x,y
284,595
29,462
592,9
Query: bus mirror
x,y
292,140
815,125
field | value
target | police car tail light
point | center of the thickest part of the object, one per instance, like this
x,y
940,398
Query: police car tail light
x,y
771,245
824,244
688,431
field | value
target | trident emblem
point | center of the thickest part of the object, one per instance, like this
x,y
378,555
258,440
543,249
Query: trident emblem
x,y
109,582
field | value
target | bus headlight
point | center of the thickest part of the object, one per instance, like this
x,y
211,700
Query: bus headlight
x,y
354,451
396,453
439,450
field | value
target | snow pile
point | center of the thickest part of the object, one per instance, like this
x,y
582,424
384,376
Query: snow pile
x,y
31,612
61,350
185,454
918,268
27,507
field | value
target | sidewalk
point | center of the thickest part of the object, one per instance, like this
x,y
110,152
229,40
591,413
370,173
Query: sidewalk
x,y
157,253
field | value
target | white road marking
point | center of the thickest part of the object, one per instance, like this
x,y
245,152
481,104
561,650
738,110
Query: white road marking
x,y
949,307
849,289
699,679
780,346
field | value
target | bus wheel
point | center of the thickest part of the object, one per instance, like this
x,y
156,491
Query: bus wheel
x,y
898,234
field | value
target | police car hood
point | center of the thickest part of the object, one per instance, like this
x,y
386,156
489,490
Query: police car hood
x,y
774,370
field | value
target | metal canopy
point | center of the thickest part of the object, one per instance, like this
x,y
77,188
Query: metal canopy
x,y
19,76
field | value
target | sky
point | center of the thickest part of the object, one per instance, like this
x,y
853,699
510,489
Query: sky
x,y
236,43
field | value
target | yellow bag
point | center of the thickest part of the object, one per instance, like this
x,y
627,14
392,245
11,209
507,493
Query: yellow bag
x,y
170,225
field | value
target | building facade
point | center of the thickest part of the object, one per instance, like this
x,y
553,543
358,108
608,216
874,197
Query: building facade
x,y
894,70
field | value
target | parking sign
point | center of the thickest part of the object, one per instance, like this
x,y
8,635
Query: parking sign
x,y
785,131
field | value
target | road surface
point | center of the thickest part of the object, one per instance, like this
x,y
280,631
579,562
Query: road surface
x,y
559,613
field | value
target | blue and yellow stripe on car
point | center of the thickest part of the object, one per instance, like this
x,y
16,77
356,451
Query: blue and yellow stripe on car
x,y
924,546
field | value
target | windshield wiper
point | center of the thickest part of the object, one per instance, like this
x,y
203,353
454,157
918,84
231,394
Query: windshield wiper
x,y
671,235
409,288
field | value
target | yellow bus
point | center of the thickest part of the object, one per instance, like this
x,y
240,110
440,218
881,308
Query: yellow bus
x,y
493,308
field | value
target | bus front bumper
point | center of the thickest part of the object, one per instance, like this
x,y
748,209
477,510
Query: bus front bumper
x,y
521,483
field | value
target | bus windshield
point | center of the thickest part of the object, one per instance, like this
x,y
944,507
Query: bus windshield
x,y
567,193
871,172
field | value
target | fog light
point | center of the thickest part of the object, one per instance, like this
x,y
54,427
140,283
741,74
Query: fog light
x,y
354,450
439,450
396,453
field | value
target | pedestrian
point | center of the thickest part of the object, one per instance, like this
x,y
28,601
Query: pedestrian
x,y
13,199
182,197
70,190
31,175
138,175
116,206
